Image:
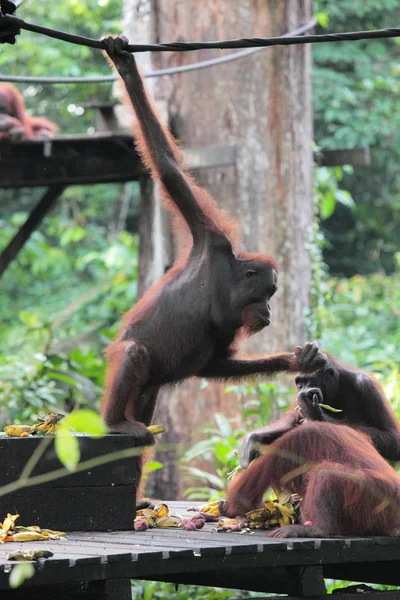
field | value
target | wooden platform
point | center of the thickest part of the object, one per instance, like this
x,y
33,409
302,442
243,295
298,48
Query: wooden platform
x,y
249,561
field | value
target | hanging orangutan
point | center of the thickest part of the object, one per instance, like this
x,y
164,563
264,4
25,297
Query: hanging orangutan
x,y
189,323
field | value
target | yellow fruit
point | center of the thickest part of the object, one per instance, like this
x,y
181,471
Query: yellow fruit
x,y
149,520
284,521
17,430
168,521
156,429
28,536
284,498
286,509
212,508
161,510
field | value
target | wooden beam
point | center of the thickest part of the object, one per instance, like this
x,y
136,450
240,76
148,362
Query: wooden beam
x,y
32,222
69,160
88,159
357,157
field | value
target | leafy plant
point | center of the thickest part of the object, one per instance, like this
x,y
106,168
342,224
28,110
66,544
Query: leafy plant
x,y
355,94
219,445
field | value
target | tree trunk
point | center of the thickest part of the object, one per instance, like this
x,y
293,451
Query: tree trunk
x,y
261,104
155,247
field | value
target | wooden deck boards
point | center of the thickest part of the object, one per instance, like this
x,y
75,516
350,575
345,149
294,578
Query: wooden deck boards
x,y
206,556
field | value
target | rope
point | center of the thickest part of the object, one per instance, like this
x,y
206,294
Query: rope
x,y
10,21
205,64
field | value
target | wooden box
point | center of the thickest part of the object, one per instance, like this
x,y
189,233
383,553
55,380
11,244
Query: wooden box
x,y
97,499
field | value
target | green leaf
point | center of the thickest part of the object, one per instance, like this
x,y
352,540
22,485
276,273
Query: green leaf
x,y
152,465
327,205
322,19
330,408
67,448
73,234
223,424
86,421
21,573
29,319
210,477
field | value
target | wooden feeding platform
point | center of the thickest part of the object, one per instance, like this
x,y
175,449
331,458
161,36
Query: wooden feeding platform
x,y
100,564
96,498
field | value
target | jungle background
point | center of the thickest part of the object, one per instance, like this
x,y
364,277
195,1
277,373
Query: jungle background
x,y
62,298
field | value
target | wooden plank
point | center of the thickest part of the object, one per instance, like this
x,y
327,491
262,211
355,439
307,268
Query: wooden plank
x,y
69,160
88,159
384,572
358,157
248,561
16,452
65,509
97,498
299,581
33,221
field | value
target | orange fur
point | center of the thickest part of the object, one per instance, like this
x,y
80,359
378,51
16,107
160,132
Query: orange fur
x,y
347,487
13,105
228,225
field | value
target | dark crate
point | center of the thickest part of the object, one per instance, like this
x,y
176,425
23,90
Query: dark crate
x,y
98,499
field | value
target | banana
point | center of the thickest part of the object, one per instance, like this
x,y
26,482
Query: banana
x,y
156,429
28,536
284,521
161,510
18,430
168,521
211,508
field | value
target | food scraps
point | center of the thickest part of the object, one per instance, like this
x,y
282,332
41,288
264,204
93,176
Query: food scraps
x,y
46,426
9,532
283,510
159,516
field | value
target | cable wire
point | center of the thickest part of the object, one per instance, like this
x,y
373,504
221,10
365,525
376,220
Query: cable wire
x,y
205,64
11,21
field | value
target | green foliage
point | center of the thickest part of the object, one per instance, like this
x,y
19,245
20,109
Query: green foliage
x,y
356,87
67,444
21,573
53,350
84,421
219,448
155,590
37,55
327,191
361,320
219,445
67,449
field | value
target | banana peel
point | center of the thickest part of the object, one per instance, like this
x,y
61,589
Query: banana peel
x,y
156,429
169,521
282,511
9,532
29,555
159,516
211,508
46,426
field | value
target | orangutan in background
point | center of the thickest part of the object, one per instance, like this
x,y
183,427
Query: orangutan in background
x,y
15,123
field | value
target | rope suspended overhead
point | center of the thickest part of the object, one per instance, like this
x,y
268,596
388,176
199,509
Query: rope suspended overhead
x,y
205,64
10,22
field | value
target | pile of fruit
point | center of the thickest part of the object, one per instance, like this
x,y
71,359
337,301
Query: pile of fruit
x,y
46,426
9,532
159,516
284,510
